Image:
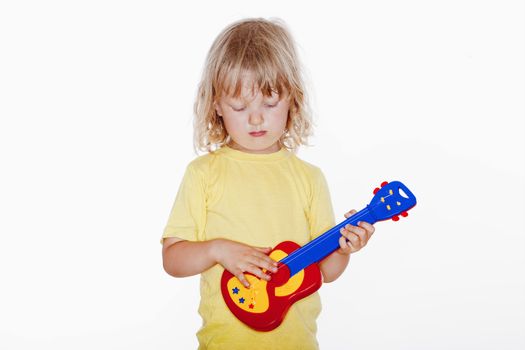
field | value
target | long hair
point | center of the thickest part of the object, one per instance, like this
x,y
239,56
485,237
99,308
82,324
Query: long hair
x,y
266,49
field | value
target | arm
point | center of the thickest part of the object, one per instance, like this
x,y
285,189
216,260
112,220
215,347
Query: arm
x,y
334,264
186,258
182,258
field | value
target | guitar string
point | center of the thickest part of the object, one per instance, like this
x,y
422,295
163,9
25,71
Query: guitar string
x,y
296,256
293,256
307,249
314,245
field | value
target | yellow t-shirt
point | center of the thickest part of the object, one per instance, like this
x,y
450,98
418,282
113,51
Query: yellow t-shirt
x,y
260,200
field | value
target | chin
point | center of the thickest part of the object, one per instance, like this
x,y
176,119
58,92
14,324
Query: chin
x,y
252,147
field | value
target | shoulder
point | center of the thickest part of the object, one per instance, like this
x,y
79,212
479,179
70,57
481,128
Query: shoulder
x,y
311,171
199,164
205,161
311,177
205,166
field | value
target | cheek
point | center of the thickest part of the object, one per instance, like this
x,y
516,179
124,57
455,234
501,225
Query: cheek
x,y
227,123
231,125
282,116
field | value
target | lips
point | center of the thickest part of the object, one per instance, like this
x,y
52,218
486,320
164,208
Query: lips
x,y
258,133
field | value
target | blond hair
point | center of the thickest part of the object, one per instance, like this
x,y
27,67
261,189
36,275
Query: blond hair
x,y
266,49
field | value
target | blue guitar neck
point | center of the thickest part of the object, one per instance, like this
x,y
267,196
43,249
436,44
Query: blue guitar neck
x,y
389,201
323,245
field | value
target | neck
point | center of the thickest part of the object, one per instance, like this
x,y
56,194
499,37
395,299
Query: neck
x,y
323,245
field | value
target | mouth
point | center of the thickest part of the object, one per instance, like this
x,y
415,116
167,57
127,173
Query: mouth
x,y
258,133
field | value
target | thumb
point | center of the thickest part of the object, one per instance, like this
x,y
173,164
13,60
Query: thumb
x,y
350,213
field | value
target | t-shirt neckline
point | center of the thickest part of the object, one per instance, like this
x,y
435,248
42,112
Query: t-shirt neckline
x,y
257,157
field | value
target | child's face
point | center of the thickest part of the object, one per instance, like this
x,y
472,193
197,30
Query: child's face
x,y
254,122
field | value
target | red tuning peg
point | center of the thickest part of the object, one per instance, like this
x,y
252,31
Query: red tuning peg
x,y
395,218
376,190
404,214
384,183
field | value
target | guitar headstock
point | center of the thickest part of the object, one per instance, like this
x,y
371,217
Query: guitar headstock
x,y
391,200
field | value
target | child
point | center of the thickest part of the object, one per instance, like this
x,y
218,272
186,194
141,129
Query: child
x,y
250,191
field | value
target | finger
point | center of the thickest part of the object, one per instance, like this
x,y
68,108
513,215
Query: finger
x,y
345,248
265,250
264,262
356,242
361,232
353,237
350,213
240,276
254,270
368,227
265,257
351,240
346,233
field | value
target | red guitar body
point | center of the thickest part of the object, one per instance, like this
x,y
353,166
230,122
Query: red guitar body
x,y
264,305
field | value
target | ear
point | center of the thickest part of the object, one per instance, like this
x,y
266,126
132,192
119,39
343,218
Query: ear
x,y
218,108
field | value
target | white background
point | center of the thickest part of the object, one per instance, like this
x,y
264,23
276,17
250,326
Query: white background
x,y
96,130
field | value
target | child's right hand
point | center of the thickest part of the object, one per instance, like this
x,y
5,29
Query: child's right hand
x,y
239,258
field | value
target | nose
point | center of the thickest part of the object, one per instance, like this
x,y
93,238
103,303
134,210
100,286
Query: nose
x,y
256,118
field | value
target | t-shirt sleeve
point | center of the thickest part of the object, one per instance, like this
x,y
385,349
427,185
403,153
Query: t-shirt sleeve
x,y
188,214
321,211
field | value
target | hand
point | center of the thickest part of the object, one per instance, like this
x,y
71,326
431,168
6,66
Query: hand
x,y
239,258
357,236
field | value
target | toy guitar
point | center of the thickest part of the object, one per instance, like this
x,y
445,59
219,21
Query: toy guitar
x,y
264,305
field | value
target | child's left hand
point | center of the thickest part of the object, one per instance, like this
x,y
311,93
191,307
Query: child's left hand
x,y
357,236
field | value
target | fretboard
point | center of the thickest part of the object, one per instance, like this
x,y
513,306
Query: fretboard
x,y
323,245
